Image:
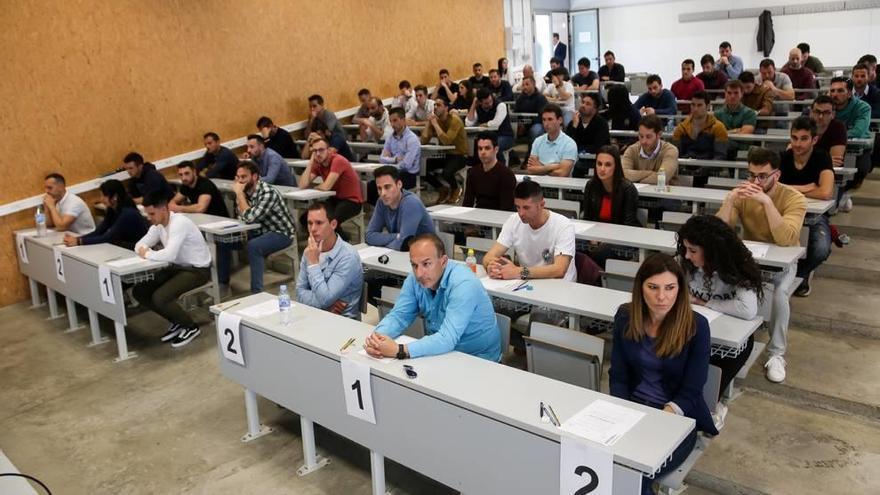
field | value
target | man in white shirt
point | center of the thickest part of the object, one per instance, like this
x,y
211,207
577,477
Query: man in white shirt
x,y
418,114
65,211
777,82
529,71
561,92
377,126
189,259
405,99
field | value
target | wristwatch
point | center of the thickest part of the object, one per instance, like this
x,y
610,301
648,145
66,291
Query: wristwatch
x,y
401,354
524,273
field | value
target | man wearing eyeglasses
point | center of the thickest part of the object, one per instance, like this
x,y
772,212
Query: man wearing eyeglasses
x,y
774,213
831,132
336,175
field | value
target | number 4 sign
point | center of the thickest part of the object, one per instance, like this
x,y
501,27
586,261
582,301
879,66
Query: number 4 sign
x,y
229,337
356,387
584,467
105,285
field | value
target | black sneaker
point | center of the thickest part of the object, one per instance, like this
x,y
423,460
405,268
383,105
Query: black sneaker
x,y
173,330
186,336
803,290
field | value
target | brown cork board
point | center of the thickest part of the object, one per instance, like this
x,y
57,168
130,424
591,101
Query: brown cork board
x,y
86,82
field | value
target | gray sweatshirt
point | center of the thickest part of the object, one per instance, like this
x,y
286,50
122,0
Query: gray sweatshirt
x,y
722,297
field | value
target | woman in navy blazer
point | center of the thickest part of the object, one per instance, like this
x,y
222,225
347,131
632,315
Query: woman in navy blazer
x,y
660,354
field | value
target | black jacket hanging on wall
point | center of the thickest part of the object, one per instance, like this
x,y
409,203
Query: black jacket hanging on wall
x,y
766,38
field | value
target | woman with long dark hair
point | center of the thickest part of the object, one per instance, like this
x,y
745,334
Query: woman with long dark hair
x,y
503,70
621,112
660,353
123,224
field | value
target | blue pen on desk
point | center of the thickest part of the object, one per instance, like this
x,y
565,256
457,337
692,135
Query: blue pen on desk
x,y
523,285
230,227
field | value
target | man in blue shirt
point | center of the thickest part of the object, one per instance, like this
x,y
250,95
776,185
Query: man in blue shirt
x,y
330,275
399,215
727,62
273,169
402,148
555,152
657,100
457,310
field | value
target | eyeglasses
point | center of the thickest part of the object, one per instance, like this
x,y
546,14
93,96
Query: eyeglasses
x,y
761,177
822,113
410,372
319,150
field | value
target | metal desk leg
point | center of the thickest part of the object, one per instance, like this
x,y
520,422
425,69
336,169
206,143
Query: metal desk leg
x,y
72,321
626,480
35,293
574,322
311,460
53,304
377,470
255,429
215,280
642,255
95,327
122,343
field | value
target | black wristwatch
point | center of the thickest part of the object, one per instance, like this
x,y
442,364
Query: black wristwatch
x,y
401,354
524,273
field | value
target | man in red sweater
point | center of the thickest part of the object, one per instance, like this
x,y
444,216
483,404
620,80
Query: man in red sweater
x,y
684,88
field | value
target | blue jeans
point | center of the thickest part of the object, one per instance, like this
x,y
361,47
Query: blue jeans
x,y
258,247
818,245
504,144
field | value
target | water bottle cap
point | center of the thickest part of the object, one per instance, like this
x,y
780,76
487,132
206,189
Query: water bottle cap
x,y
283,287
470,251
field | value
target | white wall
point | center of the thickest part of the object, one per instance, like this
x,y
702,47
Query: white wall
x,y
649,38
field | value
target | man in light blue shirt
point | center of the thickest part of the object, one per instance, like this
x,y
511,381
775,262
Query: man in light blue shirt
x,y
457,310
273,169
727,62
555,152
402,149
330,275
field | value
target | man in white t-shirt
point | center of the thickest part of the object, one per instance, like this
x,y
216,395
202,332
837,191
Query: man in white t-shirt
x,y
561,91
65,211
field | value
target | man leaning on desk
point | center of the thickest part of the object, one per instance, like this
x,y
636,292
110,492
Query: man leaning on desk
x,y
457,310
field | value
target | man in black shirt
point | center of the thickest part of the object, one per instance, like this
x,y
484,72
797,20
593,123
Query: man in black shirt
x,y
219,162
611,71
585,78
808,169
144,178
196,194
554,64
446,88
499,87
530,100
589,131
478,80
277,138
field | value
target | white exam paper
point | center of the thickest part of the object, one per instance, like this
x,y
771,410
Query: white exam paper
x,y
758,250
499,284
261,310
134,260
603,422
369,252
221,224
455,210
709,313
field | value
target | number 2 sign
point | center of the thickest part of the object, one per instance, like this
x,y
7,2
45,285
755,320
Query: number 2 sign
x,y
584,468
229,337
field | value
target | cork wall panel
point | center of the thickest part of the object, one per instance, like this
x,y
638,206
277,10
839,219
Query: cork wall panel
x,y
85,82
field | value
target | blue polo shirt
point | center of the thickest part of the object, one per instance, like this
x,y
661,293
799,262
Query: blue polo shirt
x,y
561,148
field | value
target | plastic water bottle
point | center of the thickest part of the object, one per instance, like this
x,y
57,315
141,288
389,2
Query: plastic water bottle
x,y
284,305
471,260
661,180
40,220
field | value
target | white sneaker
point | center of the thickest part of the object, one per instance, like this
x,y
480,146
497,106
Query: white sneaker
x,y
719,415
775,369
846,205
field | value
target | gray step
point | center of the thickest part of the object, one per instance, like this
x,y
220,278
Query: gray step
x,y
859,261
840,306
868,194
863,220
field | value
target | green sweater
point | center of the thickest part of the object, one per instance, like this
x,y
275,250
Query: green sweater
x,y
856,114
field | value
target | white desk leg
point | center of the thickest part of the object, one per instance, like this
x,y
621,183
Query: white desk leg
x,y
53,304
642,255
695,208
35,293
574,322
72,321
311,460
122,343
255,429
377,470
95,327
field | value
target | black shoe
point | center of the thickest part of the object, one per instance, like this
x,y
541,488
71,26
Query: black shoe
x,y
803,290
173,330
186,336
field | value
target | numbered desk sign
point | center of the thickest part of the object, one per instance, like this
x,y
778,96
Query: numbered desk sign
x,y
22,248
229,337
356,387
584,467
105,285
59,265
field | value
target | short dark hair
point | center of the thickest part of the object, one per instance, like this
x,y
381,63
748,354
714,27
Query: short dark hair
x,y
156,199
318,99
652,122
477,64
322,205
861,66
250,166
803,47
133,157
734,84
319,126
491,136
257,138
609,52
552,108
762,156
592,96
389,170
444,71
701,95
584,61
767,62
264,122
186,164
724,44
364,91
653,78
560,72
804,124
212,135
423,88
841,79
555,60
868,59
484,93
56,177
689,61
556,35
822,100
404,84
433,239
399,111
707,59
528,189
746,77
494,71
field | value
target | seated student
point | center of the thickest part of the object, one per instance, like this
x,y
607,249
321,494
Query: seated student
x,y
478,80
446,89
856,115
700,134
831,132
336,175
530,100
660,352
273,168
256,202
418,114
641,163
585,79
503,71
736,117
609,198
727,62
449,130
589,131
457,310
755,96
777,82
489,184
330,275
656,100
623,114
863,90
684,88
363,111
722,275
555,63
809,61
769,212
405,98
809,170
529,71
189,259
712,78
801,77
144,178
399,216
317,111
320,130
491,114
499,87
64,210
196,194
611,71
219,162
870,61
561,92
401,149
554,152
276,138
377,127
465,96
123,224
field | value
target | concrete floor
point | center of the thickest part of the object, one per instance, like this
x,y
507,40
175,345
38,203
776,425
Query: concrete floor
x,y
167,422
